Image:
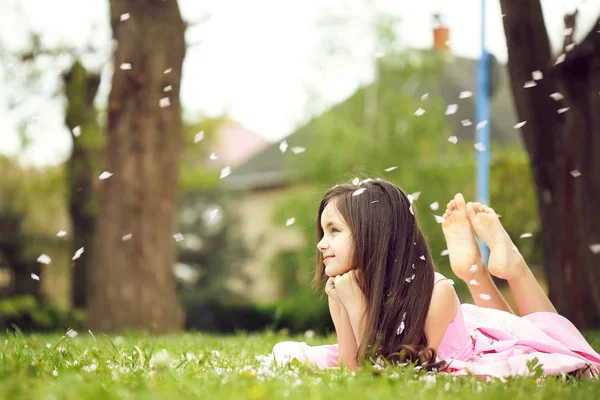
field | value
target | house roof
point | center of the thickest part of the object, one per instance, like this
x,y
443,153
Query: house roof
x,y
266,168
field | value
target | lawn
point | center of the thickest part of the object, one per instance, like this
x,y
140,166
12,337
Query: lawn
x,y
195,366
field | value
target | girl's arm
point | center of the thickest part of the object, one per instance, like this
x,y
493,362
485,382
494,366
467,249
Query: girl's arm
x,y
356,315
347,343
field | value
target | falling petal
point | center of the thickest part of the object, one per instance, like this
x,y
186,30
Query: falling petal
x,y
484,296
400,328
178,237
72,333
425,97
168,70
520,125
557,96
35,277
466,94
526,235
77,254
375,201
298,150
225,172
390,169
529,84
358,192
61,233
438,219
198,137
474,268
125,66
515,249
434,206
595,248
444,253
44,259
453,139
105,175
560,59
419,112
415,195
411,210
410,198
76,131
283,146
290,221
575,173
450,281
164,102
466,122
124,17
451,109
213,156
167,88
537,75
568,31
127,237
422,258
562,110
473,282
479,146
481,124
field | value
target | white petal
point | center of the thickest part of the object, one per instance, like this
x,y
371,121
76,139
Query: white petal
x,y
575,173
519,125
125,66
35,277
298,150
72,333
283,146
77,131
400,328
390,169
557,96
164,102
466,122
484,296
465,94
453,139
44,259
213,156
127,237
444,253
434,206
451,109
425,97
474,268
537,75
358,192
419,112
595,248
529,84
61,234
473,282
225,172
562,110
481,124
526,235
560,59
105,175
198,137
416,195
178,237
168,70
422,258
290,221
167,88
438,219
124,17
479,147
355,181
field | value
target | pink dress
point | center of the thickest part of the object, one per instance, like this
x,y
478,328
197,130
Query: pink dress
x,y
488,342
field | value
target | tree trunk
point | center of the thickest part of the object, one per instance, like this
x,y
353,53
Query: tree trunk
x,y
132,285
559,143
83,169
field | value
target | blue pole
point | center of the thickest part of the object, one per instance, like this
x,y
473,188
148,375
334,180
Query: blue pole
x,y
482,116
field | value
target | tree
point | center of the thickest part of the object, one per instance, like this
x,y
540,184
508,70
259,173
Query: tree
x,y
561,144
82,170
131,283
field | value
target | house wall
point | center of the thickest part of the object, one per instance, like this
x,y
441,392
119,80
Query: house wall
x,y
264,240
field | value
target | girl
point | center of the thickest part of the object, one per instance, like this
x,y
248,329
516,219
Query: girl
x,y
385,299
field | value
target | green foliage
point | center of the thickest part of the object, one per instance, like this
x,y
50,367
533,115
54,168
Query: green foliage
x,y
28,314
196,366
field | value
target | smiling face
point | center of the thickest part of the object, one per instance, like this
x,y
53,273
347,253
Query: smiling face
x,y
336,245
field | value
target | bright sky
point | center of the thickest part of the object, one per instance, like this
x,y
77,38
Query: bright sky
x,y
263,61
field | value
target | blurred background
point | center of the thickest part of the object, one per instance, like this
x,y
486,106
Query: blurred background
x,y
274,103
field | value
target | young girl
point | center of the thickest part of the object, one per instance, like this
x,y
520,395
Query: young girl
x,y
385,299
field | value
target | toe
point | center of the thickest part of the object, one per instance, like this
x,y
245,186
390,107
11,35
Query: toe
x,y
471,213
460,201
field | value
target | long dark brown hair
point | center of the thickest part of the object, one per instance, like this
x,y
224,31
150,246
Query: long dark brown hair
x,y
396,270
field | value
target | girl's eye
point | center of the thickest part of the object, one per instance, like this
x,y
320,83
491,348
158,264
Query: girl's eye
x,y
334,230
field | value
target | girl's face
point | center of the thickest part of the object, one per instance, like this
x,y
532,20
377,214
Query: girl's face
x,y
336,245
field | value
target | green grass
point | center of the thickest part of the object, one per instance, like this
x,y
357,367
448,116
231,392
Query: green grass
x,y
196,366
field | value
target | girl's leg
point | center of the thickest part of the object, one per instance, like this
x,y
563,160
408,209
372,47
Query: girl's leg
x,y
506,262
465,257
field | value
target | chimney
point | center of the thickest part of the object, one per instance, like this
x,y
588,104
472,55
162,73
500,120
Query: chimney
x,y
441,34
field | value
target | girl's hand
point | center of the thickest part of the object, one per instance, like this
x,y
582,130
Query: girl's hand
x,y
347,290
331,292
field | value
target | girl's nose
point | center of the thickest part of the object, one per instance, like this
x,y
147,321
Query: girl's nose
x,y
322,245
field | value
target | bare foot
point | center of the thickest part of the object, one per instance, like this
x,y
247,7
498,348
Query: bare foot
x,y
505,260
460,238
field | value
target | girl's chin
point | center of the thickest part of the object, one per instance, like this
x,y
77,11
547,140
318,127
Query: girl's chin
x,y
331,271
